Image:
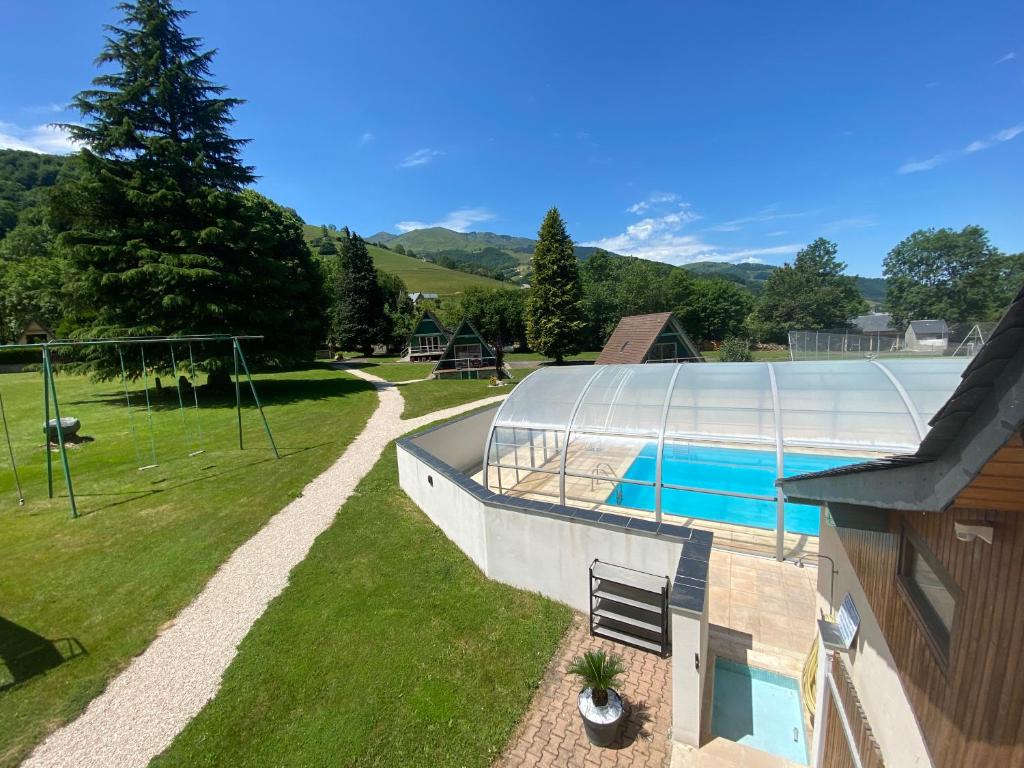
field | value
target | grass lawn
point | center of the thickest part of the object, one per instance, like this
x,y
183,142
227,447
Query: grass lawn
x,y
765,356
388,648
80,598
390,369
427,396
582,356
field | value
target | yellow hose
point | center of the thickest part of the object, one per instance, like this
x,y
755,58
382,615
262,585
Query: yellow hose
x,y
809,676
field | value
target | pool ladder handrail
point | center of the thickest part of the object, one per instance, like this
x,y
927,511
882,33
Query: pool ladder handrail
x,y
604,469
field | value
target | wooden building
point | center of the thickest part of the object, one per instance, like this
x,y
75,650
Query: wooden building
x,y
657,338
466,356
428,338
930,550
34,333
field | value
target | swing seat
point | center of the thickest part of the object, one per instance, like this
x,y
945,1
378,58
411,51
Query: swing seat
x,y
69,425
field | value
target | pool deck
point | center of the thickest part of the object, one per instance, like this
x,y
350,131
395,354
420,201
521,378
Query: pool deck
x,y
589,493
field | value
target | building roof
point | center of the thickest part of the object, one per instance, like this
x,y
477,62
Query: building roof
x,y
633,337
428,315
421,295
876,322
922,327
984,412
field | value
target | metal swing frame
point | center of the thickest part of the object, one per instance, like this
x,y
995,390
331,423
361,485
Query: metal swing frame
x,y
50,391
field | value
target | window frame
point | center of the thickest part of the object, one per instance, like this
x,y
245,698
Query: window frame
x,y
939,639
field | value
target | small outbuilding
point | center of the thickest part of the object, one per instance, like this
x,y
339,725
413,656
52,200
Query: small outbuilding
x,y
926,336
428,338
656,338
466,356
35,333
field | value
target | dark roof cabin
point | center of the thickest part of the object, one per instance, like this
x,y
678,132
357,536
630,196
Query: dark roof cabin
x,y
467,356
428,339
930,550
657,338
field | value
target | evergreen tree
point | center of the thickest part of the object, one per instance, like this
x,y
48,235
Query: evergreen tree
x,y
555,310
157,233
812,293
358,316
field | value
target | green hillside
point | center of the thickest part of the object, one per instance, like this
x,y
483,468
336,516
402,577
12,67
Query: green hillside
x,y
416,274
754,275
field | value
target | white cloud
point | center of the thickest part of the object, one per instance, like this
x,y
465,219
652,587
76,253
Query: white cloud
x,y
662,238
461,220
420,157
47,139
366,138
657,198
1007,134
915,166
1006,57
770,213
45,109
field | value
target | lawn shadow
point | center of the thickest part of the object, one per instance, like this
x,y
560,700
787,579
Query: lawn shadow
x,y
270,391
135,495
24,654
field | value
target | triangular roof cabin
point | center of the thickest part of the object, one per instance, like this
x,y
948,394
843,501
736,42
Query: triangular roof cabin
x,y
467,355
428,338
656,338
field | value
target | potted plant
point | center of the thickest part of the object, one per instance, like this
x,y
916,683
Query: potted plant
x,y
599,703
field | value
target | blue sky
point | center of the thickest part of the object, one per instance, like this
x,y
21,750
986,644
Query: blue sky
x,y
672,130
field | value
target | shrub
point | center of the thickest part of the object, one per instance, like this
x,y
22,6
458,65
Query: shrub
x,y
598,671
735,350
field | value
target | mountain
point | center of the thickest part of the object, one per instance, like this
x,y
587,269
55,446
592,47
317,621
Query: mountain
x,y
754,276
418,275
498,254
23,178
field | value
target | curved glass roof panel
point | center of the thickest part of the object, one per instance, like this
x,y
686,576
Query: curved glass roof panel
x,y
860,405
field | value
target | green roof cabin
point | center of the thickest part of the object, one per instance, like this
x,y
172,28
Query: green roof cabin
x,y
467,356
428,339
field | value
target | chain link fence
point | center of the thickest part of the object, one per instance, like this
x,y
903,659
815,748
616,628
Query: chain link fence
x,y
957,340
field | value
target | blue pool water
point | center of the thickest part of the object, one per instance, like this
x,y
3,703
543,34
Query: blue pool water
x,y
758,708
726,469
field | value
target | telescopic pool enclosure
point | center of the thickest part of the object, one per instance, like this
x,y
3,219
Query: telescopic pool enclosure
x,y
707,442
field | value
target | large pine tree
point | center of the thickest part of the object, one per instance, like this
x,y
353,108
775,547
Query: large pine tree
x,y
555,311
358,317
157,232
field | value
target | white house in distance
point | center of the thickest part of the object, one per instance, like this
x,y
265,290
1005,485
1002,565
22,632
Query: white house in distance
x,y
926,336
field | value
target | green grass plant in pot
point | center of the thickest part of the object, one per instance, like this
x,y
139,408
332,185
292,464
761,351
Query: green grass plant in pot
x,y
599,703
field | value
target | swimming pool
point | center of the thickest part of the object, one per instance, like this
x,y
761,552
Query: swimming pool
x,y
726,469
758,708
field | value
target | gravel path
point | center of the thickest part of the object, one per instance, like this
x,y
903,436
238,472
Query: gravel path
x,y
155,697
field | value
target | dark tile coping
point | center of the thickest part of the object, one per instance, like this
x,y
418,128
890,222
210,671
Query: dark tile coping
x,y
690,583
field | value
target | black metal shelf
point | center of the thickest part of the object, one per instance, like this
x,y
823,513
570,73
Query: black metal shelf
x,y
629,606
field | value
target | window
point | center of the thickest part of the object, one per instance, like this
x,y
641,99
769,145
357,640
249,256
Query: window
x,y
930,590
663,351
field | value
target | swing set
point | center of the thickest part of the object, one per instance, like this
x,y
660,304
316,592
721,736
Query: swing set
x,y
194,440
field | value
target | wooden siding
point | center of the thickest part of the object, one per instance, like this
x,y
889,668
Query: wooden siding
x,y
1000,484
971,712
837,749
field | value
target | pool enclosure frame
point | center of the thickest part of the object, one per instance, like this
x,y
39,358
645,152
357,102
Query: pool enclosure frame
x,y
789,406
50,390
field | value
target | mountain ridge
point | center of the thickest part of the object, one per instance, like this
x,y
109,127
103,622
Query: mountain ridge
x,y
434,241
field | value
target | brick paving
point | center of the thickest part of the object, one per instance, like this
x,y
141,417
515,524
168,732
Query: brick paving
x,y
551,733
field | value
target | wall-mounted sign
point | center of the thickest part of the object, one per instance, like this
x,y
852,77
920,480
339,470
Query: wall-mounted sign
x,y
848,622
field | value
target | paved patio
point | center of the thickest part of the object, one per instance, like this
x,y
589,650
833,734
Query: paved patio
x,y
760,612
552,733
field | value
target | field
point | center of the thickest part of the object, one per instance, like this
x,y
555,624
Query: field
x,y
388,647
80,598
420,275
